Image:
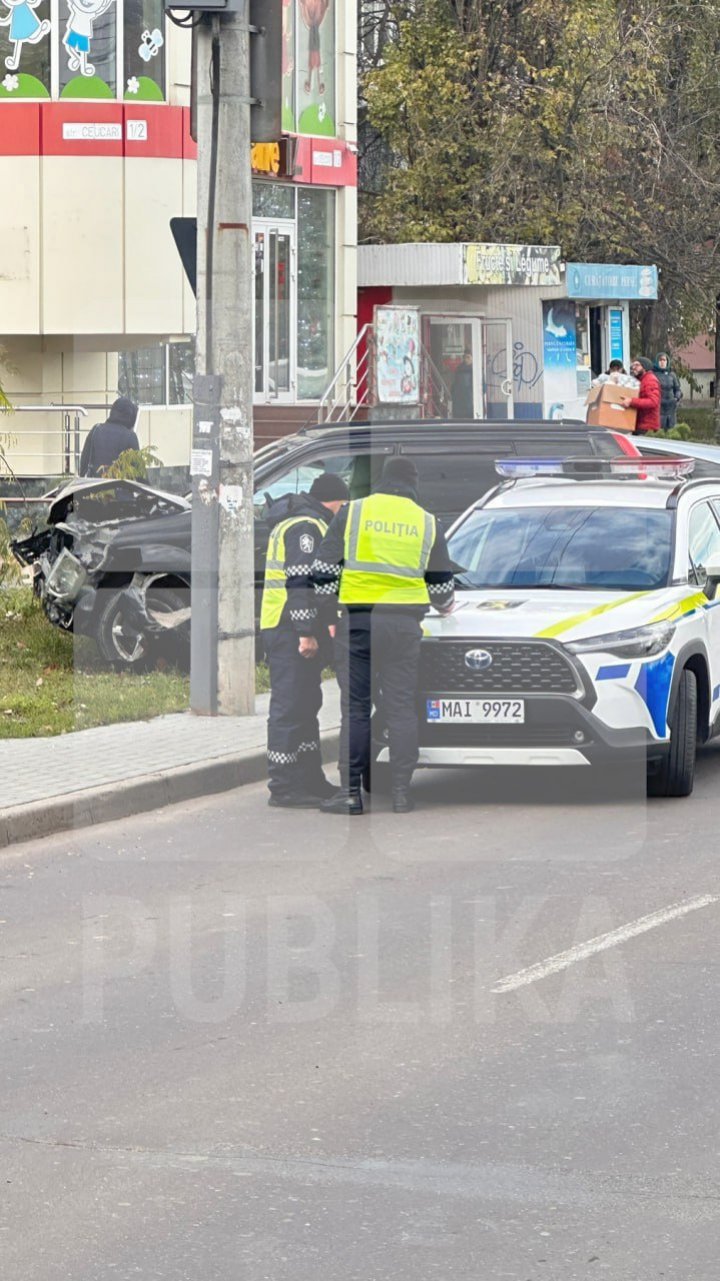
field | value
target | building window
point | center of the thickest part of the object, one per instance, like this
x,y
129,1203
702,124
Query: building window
x,y
144,76
160,375
273,200
71,50
316,287
25,50
181,371
87,42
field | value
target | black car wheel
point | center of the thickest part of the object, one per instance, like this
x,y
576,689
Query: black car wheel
x,y
676,773
123,642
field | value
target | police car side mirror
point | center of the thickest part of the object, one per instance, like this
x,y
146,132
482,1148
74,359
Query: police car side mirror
x,y
712,572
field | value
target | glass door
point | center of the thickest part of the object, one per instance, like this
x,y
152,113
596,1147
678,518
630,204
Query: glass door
x,y
498,368
275,312
455,367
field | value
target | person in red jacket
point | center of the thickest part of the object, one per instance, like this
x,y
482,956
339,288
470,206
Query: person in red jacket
x,y
647,401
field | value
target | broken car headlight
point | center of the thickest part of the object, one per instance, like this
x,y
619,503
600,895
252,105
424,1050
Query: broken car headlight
x,y
66,577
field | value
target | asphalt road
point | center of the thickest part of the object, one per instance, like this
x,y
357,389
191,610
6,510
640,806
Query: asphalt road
x,y
250,1045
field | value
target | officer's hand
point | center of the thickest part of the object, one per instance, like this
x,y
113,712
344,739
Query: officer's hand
x,y
331,631
308,646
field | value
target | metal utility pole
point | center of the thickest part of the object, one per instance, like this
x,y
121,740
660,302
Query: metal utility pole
x,y
222,674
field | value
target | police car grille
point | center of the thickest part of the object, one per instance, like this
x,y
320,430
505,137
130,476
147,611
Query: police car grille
x,y
522,667
436,734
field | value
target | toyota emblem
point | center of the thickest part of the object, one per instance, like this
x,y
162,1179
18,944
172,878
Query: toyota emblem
x,y
478,659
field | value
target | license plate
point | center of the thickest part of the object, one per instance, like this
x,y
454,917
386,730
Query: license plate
x,y
477,711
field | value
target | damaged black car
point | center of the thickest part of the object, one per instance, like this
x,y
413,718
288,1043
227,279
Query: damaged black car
x,y
113,558
113,563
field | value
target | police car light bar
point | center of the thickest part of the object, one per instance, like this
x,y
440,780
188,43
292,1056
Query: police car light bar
x,y
595,468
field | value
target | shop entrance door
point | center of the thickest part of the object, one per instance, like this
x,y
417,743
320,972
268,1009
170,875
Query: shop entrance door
x,y
275,311
456,381
498,368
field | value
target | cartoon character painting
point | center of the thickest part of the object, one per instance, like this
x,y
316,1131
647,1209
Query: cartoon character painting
x,y
151,43
79,32
25,27
313,12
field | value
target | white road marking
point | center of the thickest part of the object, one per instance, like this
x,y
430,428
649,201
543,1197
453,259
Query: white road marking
x,y
563,960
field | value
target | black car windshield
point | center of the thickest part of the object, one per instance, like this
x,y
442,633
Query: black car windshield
x,y
615,548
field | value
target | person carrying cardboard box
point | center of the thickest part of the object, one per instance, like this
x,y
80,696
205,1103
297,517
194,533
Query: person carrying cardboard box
x,y
647,401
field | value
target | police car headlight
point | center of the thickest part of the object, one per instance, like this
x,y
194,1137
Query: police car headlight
x,y
641,642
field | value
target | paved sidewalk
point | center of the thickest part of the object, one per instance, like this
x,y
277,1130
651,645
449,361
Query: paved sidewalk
x,y
55,784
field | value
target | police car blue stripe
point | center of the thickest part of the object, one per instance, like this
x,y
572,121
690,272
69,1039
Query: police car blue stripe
x,y
613,673
653,686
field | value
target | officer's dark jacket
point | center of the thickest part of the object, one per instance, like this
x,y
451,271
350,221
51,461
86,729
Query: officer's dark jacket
x,y
302,540
328,564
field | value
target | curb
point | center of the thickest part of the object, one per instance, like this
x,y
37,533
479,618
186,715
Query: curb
x,y
139,795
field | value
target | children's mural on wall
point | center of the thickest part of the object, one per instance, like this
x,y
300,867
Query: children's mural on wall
x,y
79,53
143,76
308,62
25,48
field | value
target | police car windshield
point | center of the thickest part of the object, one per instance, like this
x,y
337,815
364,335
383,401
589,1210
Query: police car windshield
x,y
610,548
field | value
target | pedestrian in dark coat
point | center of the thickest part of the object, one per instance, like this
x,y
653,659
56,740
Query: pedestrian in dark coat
x,y
647,401
463,392
670,391
106,441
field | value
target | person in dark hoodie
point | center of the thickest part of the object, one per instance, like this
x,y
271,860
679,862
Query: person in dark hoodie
x,y
386,561
463,391
293,639
105,442
670,391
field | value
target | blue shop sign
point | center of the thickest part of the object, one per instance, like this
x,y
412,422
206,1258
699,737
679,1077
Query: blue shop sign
x,y
616,334
606,280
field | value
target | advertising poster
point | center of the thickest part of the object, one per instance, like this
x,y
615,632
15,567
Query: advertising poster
x,y
397,355
560,360
288,66
315,67
616,334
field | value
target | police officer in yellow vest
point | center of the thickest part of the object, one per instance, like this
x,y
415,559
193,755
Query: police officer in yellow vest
x,y
386,562
293,641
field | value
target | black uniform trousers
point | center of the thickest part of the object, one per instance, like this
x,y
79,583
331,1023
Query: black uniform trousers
x,y
294,761
378,648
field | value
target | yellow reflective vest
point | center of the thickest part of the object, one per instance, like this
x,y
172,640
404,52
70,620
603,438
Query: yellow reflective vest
x,y
388,540
275,591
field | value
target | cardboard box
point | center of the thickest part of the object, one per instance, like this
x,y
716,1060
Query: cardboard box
x,y
604,408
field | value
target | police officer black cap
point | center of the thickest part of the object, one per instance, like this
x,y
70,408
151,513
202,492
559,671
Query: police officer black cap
x,y
329,488
401,470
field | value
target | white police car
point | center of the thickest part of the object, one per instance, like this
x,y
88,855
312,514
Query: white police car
x,y
585,625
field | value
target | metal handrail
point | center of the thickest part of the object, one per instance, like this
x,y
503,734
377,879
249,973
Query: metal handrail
x,y
341,372
71,447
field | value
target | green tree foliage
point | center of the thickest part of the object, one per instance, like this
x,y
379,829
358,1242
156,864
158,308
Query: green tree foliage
x,y
133,464
594,124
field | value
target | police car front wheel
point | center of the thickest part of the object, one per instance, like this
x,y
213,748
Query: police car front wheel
x,y
675,775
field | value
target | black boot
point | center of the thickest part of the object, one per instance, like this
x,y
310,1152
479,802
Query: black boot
x,y
402,801
346,801
319,785
294,801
